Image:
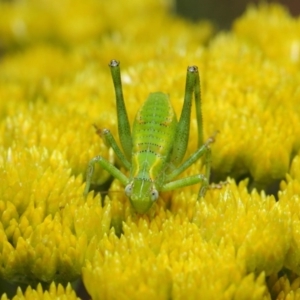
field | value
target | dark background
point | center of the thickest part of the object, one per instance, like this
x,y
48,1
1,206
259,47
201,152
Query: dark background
x,y
223,12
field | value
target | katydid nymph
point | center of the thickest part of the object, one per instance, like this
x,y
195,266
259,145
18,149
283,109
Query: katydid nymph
x,y
154,150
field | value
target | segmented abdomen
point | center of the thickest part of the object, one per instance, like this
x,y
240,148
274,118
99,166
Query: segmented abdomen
x,y
153,134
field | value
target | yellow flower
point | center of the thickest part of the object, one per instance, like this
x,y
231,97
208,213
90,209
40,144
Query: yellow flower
x,y
167,259
278,26
54,292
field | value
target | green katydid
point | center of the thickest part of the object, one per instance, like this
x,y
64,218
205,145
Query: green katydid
x,y
153,152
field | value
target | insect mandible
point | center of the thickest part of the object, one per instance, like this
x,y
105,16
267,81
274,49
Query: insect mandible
x,y
154,151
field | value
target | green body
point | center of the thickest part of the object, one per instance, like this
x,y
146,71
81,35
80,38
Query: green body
x,y
152,138
153,152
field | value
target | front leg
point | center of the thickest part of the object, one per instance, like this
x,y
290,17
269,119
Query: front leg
x,y
203,150
106,165
183,182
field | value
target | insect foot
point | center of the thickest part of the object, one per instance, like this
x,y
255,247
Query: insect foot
x,y
219,185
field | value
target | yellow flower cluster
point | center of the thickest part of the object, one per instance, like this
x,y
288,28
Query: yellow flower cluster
x,y
239,242
54,292
168,257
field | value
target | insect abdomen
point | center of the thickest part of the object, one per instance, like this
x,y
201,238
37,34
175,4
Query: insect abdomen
x,y
153,133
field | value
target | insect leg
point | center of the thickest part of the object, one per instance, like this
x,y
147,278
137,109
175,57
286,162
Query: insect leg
x,y
106,165
183,182
192,86
204,149
123,123
198,105
110,141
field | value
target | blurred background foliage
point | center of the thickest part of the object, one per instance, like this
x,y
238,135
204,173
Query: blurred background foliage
x,y
223,12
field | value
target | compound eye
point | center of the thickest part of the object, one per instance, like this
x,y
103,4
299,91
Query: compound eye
x,y
154,195
128,190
